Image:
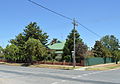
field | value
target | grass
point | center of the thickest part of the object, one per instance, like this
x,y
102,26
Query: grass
x,y
113,67
63,67
96,69
106,67
11,64
100,67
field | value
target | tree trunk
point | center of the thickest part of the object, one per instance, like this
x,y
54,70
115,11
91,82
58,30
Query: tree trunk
x,y
116,61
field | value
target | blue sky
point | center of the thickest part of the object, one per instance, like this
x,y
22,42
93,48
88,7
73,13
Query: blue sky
x,y
101,16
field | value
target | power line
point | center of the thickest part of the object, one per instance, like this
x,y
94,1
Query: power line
x,y
50,10
89,29
63,17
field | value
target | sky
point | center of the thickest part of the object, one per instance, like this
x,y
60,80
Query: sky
x,y
101,16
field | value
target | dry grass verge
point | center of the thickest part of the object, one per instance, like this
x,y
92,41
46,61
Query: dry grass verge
x,y
64,67
104,67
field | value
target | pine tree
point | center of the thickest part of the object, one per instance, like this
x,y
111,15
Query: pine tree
x,y
68,48
100,51
31,31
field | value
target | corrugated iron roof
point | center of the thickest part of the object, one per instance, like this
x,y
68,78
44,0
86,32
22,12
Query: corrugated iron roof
x,y
57,46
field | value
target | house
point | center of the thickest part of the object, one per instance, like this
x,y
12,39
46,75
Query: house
x,y
56,46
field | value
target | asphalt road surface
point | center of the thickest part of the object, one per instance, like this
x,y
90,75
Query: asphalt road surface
x,y
25,75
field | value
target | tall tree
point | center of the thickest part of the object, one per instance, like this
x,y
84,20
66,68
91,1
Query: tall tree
x,y
31,31
116,55
1,49
34,31
100,51
68,48
81,50
110,42
1,52
19,41
34,50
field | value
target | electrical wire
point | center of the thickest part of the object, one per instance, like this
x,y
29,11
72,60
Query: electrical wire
x,y
50,10
89,29
63,17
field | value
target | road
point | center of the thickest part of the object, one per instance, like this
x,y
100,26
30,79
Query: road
x,y
26,75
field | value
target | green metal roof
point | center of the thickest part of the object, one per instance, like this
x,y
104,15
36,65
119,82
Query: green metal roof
x,y
57,46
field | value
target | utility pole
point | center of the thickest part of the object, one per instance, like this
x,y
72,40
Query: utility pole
x,y
74,25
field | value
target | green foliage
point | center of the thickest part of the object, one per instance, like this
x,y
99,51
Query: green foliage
x,y
68,48
52,56
1,50
33,31
19,40
100,51
67,58
1,53
110,42
69,42
30,31
98,48
31,44
116,55
34,50
106,52
81,50
11,52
